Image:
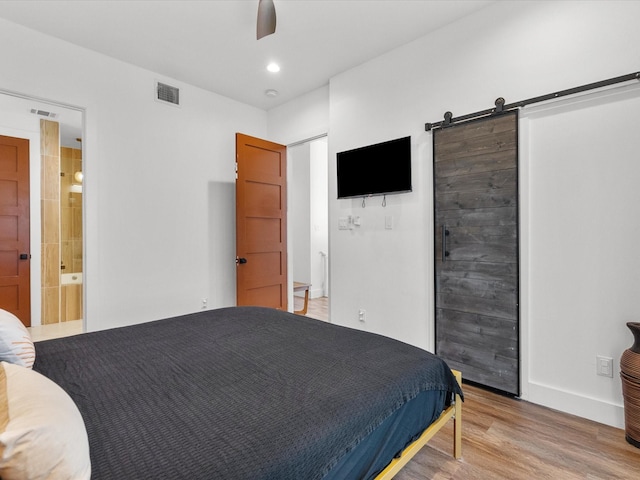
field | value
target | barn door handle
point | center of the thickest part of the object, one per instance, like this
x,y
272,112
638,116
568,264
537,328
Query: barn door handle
x,y
445,234
240,260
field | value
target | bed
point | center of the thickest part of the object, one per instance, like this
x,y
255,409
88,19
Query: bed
x,y
250,393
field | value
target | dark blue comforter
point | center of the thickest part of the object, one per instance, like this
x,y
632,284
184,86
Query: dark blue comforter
x,y
238,393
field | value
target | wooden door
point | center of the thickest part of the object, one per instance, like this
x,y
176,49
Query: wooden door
x,y
15,293
476,220
261,223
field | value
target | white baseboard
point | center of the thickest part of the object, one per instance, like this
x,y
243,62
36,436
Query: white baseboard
x,y
316,293
593,409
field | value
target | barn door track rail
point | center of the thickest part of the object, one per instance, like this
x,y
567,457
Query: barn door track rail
x,y
501,107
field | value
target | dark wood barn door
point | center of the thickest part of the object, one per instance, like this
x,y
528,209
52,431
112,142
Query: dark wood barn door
x,y
476,273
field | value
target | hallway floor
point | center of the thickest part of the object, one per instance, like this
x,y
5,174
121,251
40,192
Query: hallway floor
x,y
318,308
55,330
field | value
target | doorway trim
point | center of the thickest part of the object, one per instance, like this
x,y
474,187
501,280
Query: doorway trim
x,y
290,242
35,210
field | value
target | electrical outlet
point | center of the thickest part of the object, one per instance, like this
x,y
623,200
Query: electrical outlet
x,y
204,303
362,315
604,366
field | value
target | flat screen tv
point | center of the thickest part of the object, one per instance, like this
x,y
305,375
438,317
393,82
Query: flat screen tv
x,y
380,169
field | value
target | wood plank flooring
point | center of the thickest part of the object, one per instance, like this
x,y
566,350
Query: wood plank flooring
x,y
505,438
318,308
55,330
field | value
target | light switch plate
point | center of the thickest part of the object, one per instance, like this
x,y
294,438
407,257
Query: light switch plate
x,y
604,366
388,222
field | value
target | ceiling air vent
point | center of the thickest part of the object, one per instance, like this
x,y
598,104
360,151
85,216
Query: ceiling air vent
x,y
167,93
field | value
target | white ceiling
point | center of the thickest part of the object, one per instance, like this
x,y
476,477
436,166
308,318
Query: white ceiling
x,y
212,43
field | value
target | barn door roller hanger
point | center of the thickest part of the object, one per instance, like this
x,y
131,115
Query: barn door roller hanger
x,y
500,106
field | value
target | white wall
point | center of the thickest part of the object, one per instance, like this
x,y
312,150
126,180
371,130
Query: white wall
x,y
159,180
319,216
299,201
305,118
515,50
581,264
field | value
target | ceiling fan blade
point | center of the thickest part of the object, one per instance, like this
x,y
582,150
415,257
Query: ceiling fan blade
x,y
266,18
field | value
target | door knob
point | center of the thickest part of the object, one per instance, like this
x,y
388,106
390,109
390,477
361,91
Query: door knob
x,y
24,256
240,260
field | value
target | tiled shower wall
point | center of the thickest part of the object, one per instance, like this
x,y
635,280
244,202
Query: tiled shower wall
x,y
70,231
70,210
50,223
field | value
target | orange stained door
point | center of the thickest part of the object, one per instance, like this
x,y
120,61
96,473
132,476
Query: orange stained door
x,y
15,294
261,223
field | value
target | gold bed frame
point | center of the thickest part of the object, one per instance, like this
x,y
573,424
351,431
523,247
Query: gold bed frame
x,y
454,411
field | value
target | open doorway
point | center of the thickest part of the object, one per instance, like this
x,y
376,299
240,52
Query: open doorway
x,y
54,132
308,217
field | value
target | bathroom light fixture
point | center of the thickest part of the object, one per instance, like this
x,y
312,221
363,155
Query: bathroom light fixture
x,y
273,67
76,186
271,92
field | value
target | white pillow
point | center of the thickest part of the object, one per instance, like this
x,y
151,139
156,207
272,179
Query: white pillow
x,y
15,342
42,434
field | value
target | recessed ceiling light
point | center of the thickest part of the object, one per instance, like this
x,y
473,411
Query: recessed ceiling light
x,y
273,67
271,93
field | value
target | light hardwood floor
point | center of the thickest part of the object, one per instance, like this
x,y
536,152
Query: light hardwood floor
x,y
55,330
318,308
505,438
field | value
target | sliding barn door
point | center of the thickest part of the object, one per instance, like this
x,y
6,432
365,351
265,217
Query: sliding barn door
x,y
476,250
